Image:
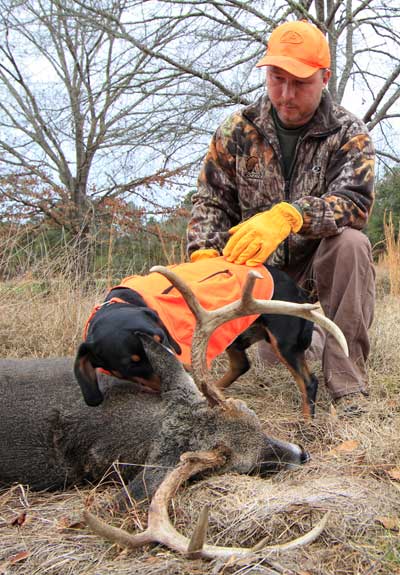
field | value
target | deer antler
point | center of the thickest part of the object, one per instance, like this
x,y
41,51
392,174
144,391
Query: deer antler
x,y
207,322
161,530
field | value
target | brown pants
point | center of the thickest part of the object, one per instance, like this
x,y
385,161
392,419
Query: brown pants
x,y
342,276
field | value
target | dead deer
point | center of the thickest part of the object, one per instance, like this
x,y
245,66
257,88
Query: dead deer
x,y
159,527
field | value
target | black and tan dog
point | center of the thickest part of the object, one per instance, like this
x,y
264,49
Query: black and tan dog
x,y
112,342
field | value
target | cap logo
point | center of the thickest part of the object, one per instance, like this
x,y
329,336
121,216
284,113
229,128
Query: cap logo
x,y
291,37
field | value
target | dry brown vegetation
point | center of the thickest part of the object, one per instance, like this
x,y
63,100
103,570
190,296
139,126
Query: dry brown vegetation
x,y
354,471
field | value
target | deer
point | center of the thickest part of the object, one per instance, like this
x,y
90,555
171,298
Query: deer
x,y
159,527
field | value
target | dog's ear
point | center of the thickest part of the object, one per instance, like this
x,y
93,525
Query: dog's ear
x,y
85,374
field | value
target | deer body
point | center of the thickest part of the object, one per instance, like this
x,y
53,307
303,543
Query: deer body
x,y
49,438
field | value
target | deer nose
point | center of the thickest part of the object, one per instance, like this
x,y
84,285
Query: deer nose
x,y
304,456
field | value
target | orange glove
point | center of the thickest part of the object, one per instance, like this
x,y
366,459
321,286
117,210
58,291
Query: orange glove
x,y
254,240
203,255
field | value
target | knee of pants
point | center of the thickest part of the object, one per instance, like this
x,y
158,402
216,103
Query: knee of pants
x,y
349,245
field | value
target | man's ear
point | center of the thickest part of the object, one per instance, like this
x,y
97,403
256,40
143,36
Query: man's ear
x,y
326,74
85,373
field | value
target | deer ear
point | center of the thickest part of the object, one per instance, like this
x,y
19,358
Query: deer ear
x,y
174,344
85,373
168,367
171,341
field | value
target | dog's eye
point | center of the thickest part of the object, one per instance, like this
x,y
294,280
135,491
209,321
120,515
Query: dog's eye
x,y
135,358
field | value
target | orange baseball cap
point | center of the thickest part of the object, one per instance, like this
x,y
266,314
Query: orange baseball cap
x,y
299,47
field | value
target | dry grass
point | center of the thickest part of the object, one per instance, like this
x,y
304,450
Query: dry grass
x,y
355,484
43,319
44,307
390,259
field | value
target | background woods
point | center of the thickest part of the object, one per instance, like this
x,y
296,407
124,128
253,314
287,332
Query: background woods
x,y
106,108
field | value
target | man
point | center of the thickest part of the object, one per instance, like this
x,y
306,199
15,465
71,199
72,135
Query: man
x,y
289,179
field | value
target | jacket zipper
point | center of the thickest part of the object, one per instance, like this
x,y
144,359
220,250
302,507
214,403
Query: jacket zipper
x,y
286,250
286,253
286,190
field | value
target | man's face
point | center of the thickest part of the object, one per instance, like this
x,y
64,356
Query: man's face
x,y
295,99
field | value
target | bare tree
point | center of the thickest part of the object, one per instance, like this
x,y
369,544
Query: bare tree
x,y
106,98
215,45
78,114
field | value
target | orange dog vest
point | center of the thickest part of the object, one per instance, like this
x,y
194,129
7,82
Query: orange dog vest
x,y
215,282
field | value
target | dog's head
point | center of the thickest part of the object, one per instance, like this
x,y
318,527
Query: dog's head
x,y
113,343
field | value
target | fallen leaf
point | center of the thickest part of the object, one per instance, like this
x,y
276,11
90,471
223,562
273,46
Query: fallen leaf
x,y
4,565
392,523
394,473
19,520
392,403
346,447
65,523
21,556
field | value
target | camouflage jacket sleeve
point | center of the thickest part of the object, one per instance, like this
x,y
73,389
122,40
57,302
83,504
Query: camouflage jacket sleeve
x,y
349,194
215,203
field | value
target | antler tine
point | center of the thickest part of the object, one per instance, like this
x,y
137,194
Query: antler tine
x,y
161,530
247,294
198,537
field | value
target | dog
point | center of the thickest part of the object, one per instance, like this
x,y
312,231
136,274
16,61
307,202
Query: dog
x,y
112,341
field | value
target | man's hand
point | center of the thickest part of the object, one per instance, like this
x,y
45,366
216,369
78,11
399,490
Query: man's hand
x,y
203,255
254,240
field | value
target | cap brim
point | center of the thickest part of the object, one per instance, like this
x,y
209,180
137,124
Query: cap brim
x,y
295,67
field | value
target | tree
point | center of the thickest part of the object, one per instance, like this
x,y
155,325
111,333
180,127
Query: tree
x,y
210,49
387,205
73,132
106,99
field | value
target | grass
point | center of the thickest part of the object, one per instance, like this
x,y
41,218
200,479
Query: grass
x,y
389,264
44,316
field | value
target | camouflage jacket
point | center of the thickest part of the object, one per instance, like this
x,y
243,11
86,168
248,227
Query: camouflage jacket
x,y
331,183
